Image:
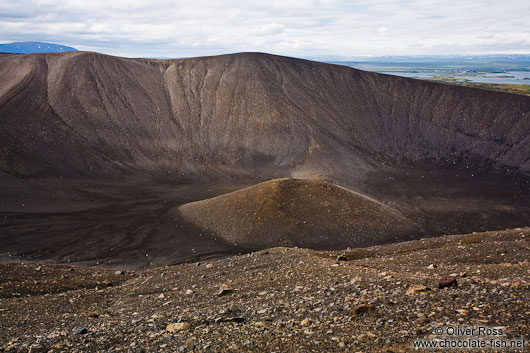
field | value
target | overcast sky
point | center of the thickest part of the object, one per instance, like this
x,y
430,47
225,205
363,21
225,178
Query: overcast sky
x,y
169,28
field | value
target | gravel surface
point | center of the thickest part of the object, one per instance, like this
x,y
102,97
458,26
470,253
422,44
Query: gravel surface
x,y
377,299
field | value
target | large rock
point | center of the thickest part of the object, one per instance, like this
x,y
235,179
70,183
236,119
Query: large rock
x,y
178,326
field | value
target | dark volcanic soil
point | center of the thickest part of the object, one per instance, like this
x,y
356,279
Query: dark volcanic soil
x,y
310,213
377,299
107,224
243,115
127,224
95,150
134,164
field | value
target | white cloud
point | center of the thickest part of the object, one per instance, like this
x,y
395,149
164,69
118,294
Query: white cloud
x,y
270,28
170,28
382,31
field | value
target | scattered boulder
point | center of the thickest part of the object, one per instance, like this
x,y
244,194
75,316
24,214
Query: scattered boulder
x,y
178,326
462,312
363,309
234,309
235,319
91,314
447,282
224,290
416,289
80,331
355,280
342,257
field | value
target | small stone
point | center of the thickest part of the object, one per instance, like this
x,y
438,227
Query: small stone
x,y
189,292
462,312
80,331
209,265
38,268
431,267
224,290
363,309
119,272
178,326
342,344
305,322
236,319
91,314
342,257
416,289
161,296
234,309
447,282
355,280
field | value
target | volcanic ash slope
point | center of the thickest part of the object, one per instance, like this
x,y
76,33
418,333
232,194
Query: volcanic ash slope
x,y
303,212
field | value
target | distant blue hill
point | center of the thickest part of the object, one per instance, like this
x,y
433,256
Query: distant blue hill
x,y
33,47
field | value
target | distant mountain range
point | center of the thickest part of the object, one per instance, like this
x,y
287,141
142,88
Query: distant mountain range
x,y
423,58
33,47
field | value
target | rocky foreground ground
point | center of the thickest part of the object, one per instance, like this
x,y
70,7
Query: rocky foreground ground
x,y
377,299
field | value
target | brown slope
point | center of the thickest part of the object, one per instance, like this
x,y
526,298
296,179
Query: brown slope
x,y
240,115
308,213
454,159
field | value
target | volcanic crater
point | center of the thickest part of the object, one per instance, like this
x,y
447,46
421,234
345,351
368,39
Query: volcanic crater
x,y
144,162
